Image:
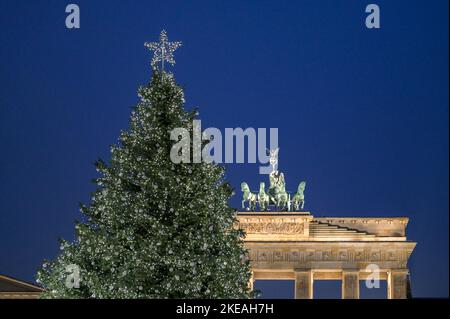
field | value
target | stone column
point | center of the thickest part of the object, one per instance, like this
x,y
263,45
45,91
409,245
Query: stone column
x,y
397,283
251,281
350,284
303,284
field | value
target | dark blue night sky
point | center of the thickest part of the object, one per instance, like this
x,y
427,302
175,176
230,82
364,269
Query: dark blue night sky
x,y
362,114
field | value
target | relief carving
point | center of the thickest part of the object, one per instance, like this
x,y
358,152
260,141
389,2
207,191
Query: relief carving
x,y
294,256
273,228
327,255
310,255
277,256
391,255
375,255
263,256
343,255
359,255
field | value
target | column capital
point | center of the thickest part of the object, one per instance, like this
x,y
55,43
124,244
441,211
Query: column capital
x,y
302,270
351,270
399,270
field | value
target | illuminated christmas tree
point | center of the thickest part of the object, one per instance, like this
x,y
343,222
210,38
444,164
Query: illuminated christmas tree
x,y
154,228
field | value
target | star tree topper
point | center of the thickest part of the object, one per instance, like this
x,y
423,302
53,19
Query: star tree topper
x,y
163,50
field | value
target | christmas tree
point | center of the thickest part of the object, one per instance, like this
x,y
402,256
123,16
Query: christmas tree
x,y
154,228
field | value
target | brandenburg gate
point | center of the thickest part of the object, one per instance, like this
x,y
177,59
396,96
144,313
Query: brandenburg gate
x,y
291,244
297,246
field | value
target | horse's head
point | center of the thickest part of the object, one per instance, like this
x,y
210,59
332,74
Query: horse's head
x,y
302,186
262,186
244,187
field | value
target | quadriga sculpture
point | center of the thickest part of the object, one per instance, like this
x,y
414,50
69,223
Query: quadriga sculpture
x,y
276,194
